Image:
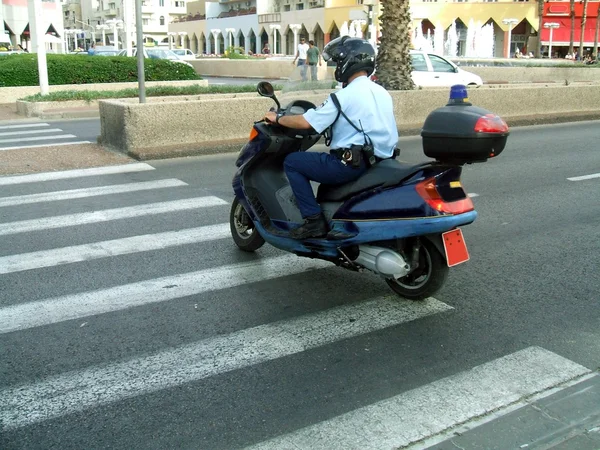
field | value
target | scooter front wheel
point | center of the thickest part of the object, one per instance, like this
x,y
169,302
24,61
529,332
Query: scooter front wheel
x,y
426,279
244,233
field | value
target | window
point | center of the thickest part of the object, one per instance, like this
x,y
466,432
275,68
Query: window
x,y
145,21
162,20
179,4
111,6
161,3
418,63
299,6
286,7
440,65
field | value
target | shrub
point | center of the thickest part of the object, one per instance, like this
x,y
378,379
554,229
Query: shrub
x,y
22,70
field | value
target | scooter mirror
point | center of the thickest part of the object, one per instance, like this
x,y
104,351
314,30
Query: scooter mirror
x,y
265,89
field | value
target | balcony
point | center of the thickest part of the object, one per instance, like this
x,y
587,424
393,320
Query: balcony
x,y
269,18
110,12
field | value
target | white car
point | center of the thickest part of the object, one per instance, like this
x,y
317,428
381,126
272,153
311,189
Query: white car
x,y
430,70
184,53
157,53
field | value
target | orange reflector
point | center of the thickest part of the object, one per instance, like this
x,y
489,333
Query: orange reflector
x,y
253,134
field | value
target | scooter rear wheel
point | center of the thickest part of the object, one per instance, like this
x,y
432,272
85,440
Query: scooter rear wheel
x,y
426,279
244,233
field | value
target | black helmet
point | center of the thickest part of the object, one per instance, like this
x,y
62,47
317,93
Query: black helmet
x,y
350,55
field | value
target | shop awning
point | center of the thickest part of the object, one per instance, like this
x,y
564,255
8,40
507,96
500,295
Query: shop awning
x,y
561,36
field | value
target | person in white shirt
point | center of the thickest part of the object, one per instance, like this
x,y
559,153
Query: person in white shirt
x,y
301,54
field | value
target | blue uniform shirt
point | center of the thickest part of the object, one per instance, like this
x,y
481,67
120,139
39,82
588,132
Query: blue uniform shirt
x,y
365,103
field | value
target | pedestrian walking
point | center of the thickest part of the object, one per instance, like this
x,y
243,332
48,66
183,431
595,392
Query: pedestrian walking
x,y
301,57
313,56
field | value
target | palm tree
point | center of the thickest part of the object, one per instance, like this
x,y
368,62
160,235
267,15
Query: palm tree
x,y
393,61
538,49
572,27
583,19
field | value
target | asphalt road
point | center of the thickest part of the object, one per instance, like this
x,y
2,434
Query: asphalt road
x,y
110,346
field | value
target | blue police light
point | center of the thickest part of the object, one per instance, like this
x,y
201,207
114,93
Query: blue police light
x,y
458,95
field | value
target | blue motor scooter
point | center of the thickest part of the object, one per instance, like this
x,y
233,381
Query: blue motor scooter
x,y
398,220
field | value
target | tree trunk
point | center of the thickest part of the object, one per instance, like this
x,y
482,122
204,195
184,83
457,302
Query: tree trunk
x,y
393,61
583,19
572,27
538,49
596,33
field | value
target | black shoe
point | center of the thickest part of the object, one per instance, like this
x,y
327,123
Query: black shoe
x,y
315,226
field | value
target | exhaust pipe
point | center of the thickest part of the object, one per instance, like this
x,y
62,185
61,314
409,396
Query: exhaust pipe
x,y
383,261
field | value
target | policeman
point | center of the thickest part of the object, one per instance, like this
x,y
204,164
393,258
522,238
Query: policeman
x,y
367,118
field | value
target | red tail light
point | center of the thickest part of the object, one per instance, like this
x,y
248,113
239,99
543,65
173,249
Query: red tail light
x,y
427,190
491,123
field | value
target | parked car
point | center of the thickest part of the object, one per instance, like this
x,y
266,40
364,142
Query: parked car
x,y
157,53
430,70
184,53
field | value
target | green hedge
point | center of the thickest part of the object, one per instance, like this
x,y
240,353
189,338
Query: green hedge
x,y
22,70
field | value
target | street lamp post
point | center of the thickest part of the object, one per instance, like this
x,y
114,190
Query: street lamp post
x,y
275,28
230,32
182,34
510,23
552,26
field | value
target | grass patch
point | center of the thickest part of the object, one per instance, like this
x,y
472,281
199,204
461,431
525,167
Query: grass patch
x,y
158,91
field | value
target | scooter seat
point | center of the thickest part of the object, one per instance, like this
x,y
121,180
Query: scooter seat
x,y
388,171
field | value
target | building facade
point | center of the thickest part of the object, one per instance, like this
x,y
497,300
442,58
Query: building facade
x,y
14,22
280,23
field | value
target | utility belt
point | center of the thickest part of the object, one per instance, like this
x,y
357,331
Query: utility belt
x,y
355,155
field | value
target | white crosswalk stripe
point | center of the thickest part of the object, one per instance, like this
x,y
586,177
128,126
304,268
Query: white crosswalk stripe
x,y
106,215
96,386
89,192
115,247
430,409
76,306
76,173
29,135
394,422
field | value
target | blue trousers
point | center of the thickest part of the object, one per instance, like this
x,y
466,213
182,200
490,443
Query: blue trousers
x,y
302,167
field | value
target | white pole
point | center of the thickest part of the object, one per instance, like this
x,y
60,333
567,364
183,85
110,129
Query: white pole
x,y
550,46
103,37
36,26
509,38
274,41
127,26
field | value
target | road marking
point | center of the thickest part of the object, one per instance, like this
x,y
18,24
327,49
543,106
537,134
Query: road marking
x,y
19,147
90,192
85,304
115,247
472,194
79,390
25,226
76,173
37,138
26,125
47,130
432,408
584,177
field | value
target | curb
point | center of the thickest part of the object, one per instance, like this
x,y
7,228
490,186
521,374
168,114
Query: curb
x,y
234,145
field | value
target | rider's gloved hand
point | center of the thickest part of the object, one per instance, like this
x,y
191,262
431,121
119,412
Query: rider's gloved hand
x,y
270,117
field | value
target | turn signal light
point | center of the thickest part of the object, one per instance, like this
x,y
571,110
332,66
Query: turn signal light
x,y
491,123
427,190
253,134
